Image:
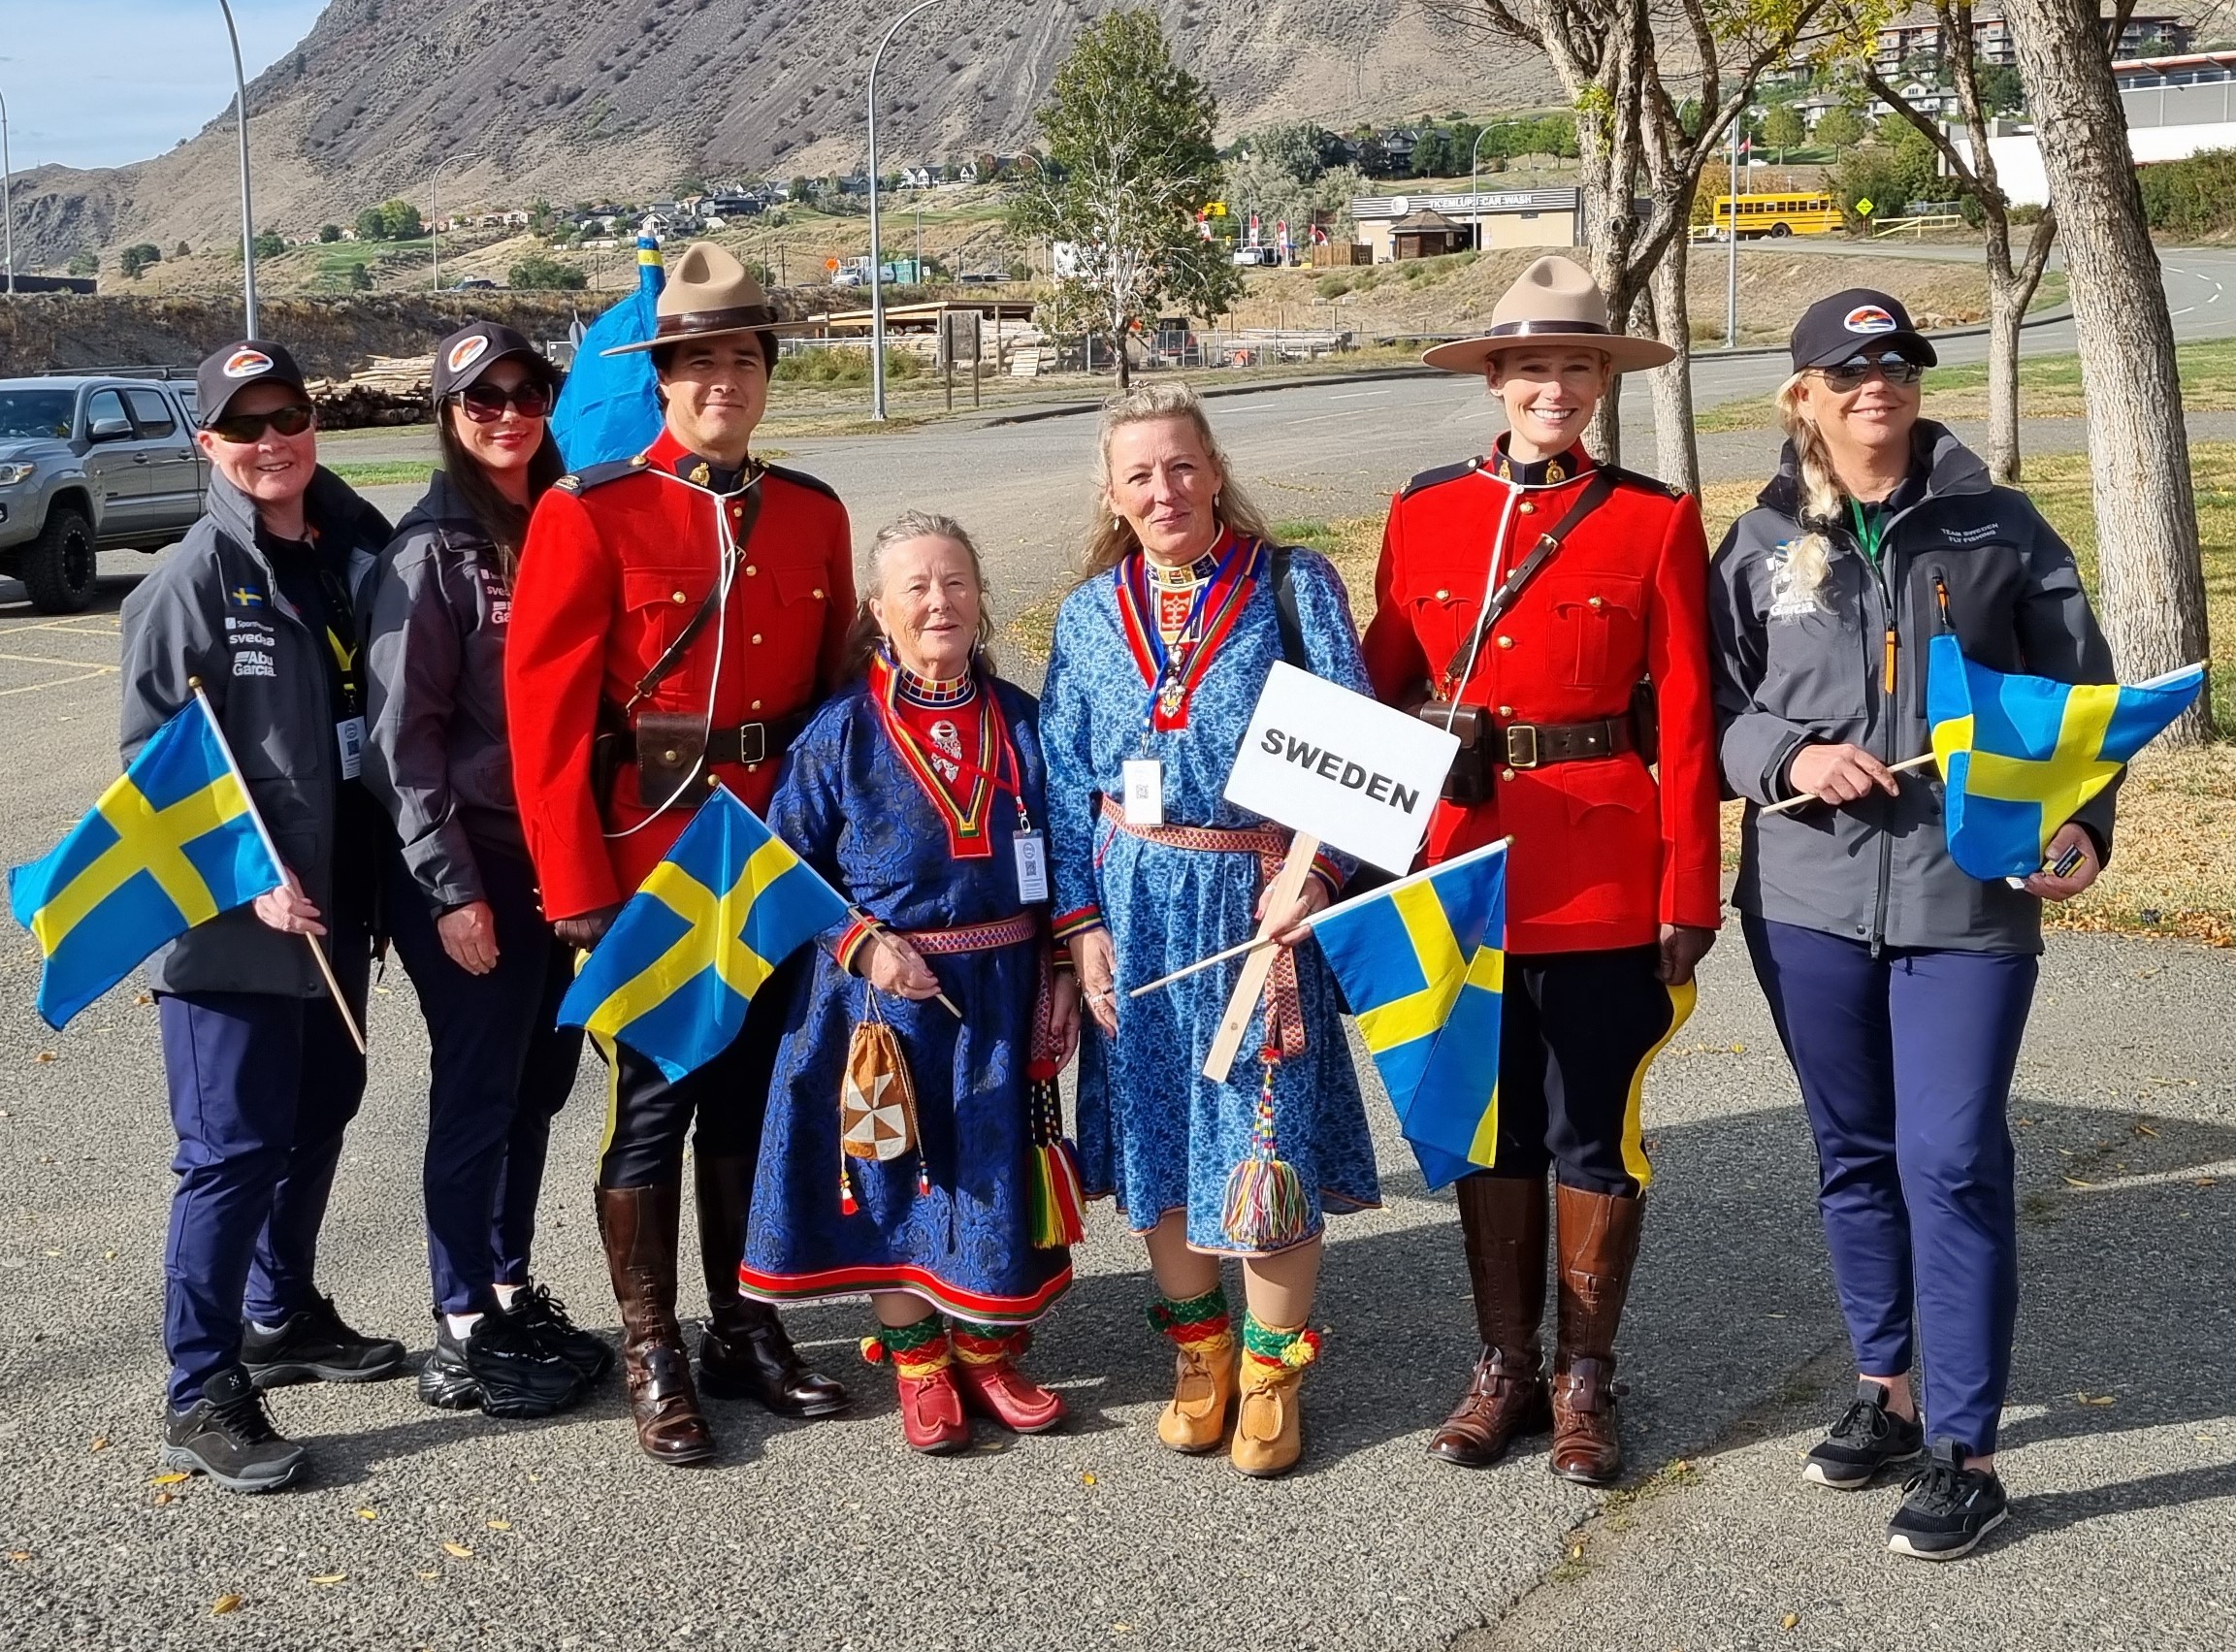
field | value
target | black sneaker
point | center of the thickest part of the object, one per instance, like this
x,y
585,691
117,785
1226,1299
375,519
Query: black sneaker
x,y
1865,1439
314,1345
1949,1508
544,1318
226,1436
500,1368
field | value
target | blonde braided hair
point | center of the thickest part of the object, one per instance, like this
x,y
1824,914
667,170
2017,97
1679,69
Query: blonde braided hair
x,y
1799,575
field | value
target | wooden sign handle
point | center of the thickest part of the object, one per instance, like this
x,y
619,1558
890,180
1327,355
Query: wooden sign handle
x,y
1250,986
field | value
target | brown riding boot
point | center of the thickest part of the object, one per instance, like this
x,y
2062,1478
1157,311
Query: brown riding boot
x,y
1503,1220
639,1227
1599,1245
745,1353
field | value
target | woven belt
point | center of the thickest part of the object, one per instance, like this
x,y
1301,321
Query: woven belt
x,y
1538,745
1284,1010
974,937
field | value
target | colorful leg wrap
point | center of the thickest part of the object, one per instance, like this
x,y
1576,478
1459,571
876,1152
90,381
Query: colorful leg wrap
x,y
919,1350
1275,1348
987,1345
1201,1323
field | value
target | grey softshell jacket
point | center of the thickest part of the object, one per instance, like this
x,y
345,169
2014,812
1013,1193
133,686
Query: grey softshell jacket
x,y
1789,670
214,611
436,754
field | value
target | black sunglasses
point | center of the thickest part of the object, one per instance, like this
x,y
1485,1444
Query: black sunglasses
x,y
240,429
1850,374
485,404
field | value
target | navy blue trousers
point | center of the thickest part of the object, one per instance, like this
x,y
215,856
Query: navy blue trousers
x,y
499,1067
262,1087
1905,1062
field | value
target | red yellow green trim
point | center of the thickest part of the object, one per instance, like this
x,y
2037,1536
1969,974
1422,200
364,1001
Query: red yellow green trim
x,y
967,821
1077,922
832,1284
851,938
1137,623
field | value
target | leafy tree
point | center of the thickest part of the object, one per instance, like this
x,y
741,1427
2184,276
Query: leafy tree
x,y
371,225
539,272
2001,92
1783,129
182,250
1129,136
329,233
401,221
135,259
360,278
269,244
1839,128
84,263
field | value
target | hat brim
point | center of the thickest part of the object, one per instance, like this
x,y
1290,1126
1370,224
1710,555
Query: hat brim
x,y
1624,354
779,329
1916,346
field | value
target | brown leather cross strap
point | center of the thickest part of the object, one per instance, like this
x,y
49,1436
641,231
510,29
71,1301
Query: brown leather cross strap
x,y
1596,493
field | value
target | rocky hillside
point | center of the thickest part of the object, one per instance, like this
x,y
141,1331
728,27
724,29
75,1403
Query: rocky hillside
x,y
458,102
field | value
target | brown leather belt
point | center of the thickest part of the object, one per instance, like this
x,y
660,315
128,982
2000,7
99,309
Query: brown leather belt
x,y
740,743
1535,745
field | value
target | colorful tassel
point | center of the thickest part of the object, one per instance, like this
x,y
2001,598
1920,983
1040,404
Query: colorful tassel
x,y
847,1206
1058,1198
1265,1207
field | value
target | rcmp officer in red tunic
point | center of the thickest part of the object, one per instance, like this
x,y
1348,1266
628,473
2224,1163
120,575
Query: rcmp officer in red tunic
x,y
676,617
1541,605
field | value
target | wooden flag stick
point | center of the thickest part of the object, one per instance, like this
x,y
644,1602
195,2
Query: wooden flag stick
x,y
325,968
1251,983
1812,797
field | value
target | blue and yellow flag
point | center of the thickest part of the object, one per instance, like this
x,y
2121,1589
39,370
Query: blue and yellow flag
x,y
673,976
172,844
609,407
2020,755
1423,963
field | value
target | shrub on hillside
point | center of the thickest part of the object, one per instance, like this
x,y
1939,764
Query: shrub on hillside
x,y
549,273
845,363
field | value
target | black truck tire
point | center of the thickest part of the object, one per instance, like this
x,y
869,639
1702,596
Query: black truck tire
x,y
59,567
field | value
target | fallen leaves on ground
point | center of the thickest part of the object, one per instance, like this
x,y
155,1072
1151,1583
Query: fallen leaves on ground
x,y
501,1525
457,1551
176,1477
101,1443
2093,1399
369,1514
328,1577
224,1604
1791,1620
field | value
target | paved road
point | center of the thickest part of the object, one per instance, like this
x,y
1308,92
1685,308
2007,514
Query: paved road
x,y
832,1536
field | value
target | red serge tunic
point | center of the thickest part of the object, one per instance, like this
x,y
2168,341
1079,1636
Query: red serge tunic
x,y
617,562
1603,855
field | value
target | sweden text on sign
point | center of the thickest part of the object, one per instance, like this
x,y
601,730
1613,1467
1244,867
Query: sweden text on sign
x,y
1360,777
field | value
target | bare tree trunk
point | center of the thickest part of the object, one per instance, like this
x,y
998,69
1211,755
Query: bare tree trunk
x,y
2151,583
1674,443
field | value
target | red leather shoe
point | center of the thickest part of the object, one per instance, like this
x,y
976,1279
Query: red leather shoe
x,y
1005,1395
932,1414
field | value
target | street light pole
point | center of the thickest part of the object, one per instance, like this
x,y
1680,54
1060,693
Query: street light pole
x,y
248,209
8,196
1732,229
876,244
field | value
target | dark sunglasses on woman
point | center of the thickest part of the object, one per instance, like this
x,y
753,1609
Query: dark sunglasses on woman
x,y
240,429
1851,374
485,404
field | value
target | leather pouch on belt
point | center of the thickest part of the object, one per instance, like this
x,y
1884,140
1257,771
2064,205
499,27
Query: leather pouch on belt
x,y
1470,779
670,753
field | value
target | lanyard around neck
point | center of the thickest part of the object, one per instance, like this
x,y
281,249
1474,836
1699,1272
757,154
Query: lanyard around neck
x,y
1870,529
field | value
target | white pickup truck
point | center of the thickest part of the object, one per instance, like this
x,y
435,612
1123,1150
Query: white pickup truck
x,y
87,465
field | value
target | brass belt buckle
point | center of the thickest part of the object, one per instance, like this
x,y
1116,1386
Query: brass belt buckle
x,y
1521,739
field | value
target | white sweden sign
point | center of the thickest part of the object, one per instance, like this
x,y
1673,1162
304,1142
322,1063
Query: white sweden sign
x,y
1358,775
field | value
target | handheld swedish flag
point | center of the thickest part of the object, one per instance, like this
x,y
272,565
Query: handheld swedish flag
x,y
1423,962
609,407
2020,755
709,925
172,844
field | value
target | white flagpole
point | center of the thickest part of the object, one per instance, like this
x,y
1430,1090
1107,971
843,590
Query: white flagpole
x,y
1323,915
325,967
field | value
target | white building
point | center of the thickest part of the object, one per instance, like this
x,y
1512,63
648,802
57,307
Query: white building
x,y
2177,107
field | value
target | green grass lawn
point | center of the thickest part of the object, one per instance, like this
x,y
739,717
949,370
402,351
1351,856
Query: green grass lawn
x,y
380,472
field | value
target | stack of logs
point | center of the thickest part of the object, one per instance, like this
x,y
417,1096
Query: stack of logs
x,y
390,390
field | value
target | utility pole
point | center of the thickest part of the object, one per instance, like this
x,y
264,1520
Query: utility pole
x,y
1732,229
8,196
248,209
875,246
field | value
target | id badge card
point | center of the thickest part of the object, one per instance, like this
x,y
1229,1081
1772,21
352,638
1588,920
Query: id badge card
x,y
1145,792
349,735
1031,849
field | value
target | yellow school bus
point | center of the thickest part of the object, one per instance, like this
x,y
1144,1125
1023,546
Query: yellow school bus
x,y
1777,214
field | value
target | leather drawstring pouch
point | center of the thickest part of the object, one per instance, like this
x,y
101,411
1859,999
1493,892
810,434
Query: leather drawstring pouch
x,y
875,1094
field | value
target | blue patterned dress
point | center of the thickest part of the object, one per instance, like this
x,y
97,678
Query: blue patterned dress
x,y
1153,1130
852,807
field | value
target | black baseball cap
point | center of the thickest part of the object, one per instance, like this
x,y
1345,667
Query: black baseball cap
x,y
1854,322
477,347
227,371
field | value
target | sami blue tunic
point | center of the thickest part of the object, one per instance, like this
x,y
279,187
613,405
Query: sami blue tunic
x,y
851,808
1152,1131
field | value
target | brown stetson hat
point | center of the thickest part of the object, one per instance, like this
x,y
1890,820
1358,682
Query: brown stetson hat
x,y
709,294
1555,302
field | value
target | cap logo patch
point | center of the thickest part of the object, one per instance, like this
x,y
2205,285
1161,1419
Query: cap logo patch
x,y
248,364
467,351
1869,318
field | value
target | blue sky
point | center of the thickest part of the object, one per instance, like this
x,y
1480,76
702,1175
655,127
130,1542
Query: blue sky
x,y
98,82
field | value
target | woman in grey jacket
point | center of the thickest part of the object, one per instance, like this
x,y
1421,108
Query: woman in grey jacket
x,y
464,905
1900,984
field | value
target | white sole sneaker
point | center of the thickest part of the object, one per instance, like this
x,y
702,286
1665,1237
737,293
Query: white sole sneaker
x,y
1899,1542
